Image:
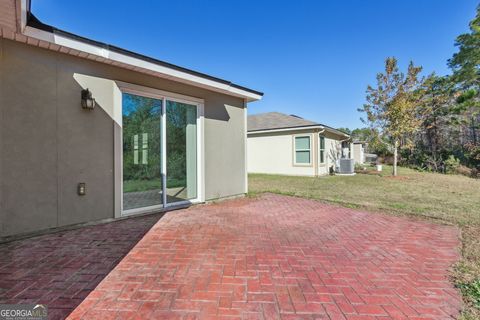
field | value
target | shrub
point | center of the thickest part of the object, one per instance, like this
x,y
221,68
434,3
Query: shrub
x,y
451,164
472,154
385,160
360,167
472,291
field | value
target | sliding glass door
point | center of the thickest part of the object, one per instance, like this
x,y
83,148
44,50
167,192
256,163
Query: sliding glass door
x,y
160,152
142,156
181,151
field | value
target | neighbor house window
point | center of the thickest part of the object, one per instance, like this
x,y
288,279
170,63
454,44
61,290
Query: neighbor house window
x,y
322,149
144,150
135,149
302,150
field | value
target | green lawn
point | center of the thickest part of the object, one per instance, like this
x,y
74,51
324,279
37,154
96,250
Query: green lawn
x,y
145,185
443,198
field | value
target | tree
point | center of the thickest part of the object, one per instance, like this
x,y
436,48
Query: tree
x,y
466,73
436,121
391,107
466,62
345,130
362,134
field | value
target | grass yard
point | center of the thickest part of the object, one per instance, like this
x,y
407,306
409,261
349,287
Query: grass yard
x,y
145,185
445,198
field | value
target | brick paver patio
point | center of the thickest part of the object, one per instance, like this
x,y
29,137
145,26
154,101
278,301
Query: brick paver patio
x,y
61,269
282,257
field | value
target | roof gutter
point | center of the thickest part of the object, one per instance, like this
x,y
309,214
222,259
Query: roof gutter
x,y
46,33
301,128
285,129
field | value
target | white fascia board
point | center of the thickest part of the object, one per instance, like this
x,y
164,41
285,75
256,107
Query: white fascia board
x,y
285,129
296,129
139,63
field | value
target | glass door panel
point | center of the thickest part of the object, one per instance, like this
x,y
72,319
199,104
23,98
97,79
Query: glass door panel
x,y
181,145
142,179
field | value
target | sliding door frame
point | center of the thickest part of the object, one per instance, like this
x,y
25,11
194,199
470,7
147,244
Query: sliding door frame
x,y
163,96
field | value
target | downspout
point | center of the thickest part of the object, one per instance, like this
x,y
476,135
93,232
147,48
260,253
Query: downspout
x,y
317,151
245,129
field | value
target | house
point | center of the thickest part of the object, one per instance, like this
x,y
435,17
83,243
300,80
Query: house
x,y
91,132
358,151
288,144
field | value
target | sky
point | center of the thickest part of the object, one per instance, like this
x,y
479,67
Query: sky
x,y
312,58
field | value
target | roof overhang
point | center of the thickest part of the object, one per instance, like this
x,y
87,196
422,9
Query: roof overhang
x,y
36,33
301,128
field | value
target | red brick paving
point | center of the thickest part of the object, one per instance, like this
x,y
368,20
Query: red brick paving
x,y
282,257
61,269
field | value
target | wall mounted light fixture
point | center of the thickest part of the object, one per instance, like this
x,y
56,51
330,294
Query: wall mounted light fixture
x,y
88,102
82,189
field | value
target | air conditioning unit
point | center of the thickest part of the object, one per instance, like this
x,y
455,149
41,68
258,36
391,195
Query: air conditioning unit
x,y
347,166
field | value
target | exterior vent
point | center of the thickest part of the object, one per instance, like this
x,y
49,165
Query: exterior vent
x,y
347,166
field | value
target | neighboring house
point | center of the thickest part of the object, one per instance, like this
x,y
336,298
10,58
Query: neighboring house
x,y
358,151
160,136
287,144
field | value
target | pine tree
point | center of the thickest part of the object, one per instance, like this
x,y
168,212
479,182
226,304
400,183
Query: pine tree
x,y
466,73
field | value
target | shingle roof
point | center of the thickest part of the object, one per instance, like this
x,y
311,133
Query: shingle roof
x,y
276,120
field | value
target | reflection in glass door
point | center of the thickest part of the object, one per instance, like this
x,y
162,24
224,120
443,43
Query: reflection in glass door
x,y
142,179
159,152
181,149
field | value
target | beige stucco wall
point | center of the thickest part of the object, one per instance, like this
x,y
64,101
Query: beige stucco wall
x,y
48,143
273,153
358,153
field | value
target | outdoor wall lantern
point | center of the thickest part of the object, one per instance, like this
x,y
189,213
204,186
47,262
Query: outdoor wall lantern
x,y
87,101
82,189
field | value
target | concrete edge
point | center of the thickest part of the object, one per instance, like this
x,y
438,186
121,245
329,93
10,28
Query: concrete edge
x,y
33,234
221,199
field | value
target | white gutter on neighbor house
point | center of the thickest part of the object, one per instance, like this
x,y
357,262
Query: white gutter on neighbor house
x,y
285,129
299,128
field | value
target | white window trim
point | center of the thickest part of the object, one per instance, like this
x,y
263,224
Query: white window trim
x,y
157,93
160,95
295,163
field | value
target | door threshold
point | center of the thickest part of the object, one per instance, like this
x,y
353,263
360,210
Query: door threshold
x,y
155,209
